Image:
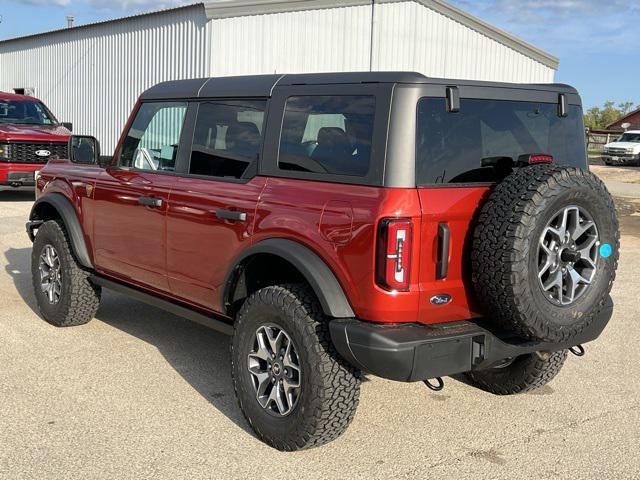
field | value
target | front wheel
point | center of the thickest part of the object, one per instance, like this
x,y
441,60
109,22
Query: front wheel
x,y
65,295
292,386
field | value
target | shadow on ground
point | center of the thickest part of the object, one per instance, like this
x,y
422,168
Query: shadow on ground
x,y
22,194
199,355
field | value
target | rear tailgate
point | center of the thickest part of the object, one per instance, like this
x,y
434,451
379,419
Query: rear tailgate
x,y
452,209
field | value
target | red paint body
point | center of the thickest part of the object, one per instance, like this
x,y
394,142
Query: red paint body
x,y
183,252
27,134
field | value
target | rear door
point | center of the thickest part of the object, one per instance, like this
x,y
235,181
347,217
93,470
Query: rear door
x,y
131,197
212,209
459,156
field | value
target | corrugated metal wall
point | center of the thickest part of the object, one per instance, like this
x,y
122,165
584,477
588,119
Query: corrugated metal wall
x,y
410,36
92,76
327,40
407,36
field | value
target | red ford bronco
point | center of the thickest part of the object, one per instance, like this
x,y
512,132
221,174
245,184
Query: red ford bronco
x,y
334,224
29,136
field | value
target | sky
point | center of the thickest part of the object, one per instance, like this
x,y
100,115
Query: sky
x,y
597,41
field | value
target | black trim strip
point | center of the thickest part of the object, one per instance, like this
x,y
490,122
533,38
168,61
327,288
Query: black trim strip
x,y
442,265
217,324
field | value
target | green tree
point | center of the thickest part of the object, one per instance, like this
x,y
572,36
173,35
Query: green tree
x,y
599,117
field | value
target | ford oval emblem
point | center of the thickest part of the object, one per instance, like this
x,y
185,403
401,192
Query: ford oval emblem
x,y
441,299
43,153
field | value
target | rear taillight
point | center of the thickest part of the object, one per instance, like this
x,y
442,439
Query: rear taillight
x,y
535,159
393,265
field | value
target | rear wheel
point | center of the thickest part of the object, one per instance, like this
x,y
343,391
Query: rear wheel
x,y
293,388
519,375
65,295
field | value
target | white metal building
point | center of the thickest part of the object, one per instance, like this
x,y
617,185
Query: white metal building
x,y
91,75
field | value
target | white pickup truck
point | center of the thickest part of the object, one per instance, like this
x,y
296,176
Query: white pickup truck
x,y
624,151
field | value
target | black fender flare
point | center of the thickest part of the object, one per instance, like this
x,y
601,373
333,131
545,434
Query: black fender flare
x,y
324,283
69,217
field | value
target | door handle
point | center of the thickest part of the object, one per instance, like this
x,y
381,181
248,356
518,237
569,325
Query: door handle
x,y
231,215
444,240
150,202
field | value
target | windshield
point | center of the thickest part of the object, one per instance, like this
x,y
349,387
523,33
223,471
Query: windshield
x,y
630,137
486,137
25,112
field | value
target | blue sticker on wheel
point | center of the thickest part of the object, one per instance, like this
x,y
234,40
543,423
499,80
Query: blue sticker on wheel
x,y
605,250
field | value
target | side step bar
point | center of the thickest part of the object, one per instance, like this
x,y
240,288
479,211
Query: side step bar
x,y
217,324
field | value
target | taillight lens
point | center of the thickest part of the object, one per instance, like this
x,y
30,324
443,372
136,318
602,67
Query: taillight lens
x,y
395,240
535,159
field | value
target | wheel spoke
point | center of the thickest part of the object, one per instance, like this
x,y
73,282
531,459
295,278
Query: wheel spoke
x,y
280,339
561,229
581,229
290,383
547,265
556,232
272,339
554,280
50,260
276,398
263,383
264,345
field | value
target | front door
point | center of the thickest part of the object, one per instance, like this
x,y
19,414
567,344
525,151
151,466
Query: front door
x,y
132,198
212,209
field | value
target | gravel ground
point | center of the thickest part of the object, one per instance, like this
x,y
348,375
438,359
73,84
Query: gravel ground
x,y
139,393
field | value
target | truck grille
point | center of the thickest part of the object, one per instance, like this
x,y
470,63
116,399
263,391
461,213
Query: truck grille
x,y
617,151
26,152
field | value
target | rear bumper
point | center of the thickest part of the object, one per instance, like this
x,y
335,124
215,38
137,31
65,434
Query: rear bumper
x,y
413,352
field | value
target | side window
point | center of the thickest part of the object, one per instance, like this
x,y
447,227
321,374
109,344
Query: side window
x,y
327,134
227,138
153,139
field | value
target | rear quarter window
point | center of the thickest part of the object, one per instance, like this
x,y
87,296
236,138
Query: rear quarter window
x,y
327,134
477,144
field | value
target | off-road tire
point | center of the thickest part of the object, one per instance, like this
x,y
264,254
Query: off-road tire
x,y
79,298
330,387
525,373
504,256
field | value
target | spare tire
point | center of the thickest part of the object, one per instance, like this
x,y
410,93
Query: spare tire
x,y
545,251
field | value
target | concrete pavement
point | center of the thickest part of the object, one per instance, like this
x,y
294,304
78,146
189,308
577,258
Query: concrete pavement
x,y
139,393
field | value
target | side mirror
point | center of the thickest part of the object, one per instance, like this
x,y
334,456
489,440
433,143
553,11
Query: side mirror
x,y
68,126
84,149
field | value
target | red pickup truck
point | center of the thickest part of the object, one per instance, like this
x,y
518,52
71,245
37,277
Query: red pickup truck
x,y
29,136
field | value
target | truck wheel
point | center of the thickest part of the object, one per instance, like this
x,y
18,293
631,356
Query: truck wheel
x,y
545,252
523,374
65,295
292,386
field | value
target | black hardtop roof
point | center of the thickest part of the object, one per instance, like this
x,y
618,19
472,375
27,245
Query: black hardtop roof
x,y
263,85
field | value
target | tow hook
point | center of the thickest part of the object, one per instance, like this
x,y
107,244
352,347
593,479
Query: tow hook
x,y
439,385
577,350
